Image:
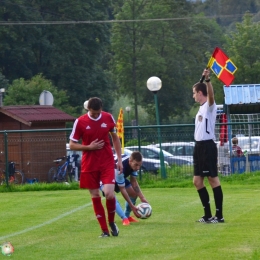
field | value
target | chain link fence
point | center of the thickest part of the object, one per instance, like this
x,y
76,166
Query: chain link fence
x,y
33,151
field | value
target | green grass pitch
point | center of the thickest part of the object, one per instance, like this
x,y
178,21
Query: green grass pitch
x,y
61,225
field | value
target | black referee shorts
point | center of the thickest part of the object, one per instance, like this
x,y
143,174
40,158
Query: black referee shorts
x,y
205,158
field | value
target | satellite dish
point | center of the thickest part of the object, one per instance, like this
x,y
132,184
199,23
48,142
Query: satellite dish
x,y
46,98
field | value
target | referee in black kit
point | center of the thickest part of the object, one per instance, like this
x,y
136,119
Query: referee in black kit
x,y
205,152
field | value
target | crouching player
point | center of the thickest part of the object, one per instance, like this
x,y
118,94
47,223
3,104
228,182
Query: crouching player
x,y
127,184
128,187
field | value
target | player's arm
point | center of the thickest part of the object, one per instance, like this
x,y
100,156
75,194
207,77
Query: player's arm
x,y
137,189
127,198
210,91
117,147
95,145
76,135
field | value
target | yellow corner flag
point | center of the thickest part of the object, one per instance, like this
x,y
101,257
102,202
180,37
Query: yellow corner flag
x,y
120,127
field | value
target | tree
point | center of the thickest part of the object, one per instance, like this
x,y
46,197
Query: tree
x,y
70,54
172,49
228,12
244,50
27,92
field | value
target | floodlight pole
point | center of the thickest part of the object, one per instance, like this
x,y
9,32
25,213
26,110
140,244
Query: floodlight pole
x,y
154,84
2,90
128,111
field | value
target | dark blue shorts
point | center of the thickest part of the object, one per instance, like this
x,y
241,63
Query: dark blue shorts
x,y
127,184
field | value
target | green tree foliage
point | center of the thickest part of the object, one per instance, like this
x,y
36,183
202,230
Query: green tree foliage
x,y
27,92
237,8
228,12
172,49
69,54
124,102
244,50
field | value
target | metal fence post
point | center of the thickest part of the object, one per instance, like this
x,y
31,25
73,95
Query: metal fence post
x,y
139,146
6,159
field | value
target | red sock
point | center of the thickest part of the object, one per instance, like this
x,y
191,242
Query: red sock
x,y
111,209
100,213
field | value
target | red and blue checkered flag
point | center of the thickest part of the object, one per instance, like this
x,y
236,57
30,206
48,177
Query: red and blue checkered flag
x,y
222,66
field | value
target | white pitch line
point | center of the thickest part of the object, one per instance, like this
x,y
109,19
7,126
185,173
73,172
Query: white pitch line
x,y
45,223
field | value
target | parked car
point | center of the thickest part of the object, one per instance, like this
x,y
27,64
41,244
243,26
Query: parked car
x,y
182,149
151,152
148,165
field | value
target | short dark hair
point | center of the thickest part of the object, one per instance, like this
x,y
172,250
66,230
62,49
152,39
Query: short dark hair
x,y
201,87
234,140
95,103
137,156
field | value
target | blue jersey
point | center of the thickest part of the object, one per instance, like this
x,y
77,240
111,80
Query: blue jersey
x,y
121,179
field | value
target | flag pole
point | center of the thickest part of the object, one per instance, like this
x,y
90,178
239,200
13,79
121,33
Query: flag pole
x,y
123,144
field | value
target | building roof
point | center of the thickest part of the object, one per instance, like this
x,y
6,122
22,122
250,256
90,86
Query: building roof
x,y
36,113
242,94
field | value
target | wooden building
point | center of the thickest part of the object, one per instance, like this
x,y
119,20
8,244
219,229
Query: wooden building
x,y
34,140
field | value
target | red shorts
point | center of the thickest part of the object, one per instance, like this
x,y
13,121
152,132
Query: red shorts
x,y
91,180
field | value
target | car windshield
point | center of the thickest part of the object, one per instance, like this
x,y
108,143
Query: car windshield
x,y
165,153
152,151
179,150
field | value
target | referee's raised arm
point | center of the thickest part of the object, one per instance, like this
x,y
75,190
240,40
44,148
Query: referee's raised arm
x,y
210,91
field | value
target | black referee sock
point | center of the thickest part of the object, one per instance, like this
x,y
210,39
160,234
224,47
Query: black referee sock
x,y
204,197
218,196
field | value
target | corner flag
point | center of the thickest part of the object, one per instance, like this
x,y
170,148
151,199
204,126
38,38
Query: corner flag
x,y
120,127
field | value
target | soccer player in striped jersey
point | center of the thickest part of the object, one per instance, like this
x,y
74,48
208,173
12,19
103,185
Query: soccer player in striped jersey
x,y
205,151
97,165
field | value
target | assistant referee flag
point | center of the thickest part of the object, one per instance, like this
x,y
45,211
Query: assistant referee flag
x,y
222,66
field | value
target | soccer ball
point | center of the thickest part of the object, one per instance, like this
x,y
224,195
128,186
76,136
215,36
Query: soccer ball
x,y
86,105
7,248
145,210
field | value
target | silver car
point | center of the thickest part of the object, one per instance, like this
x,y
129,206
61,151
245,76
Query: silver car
x,y
152,152
183,150
148,165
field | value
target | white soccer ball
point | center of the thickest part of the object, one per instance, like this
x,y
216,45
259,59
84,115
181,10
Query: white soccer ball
x,y
145,210
86,105
7,249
